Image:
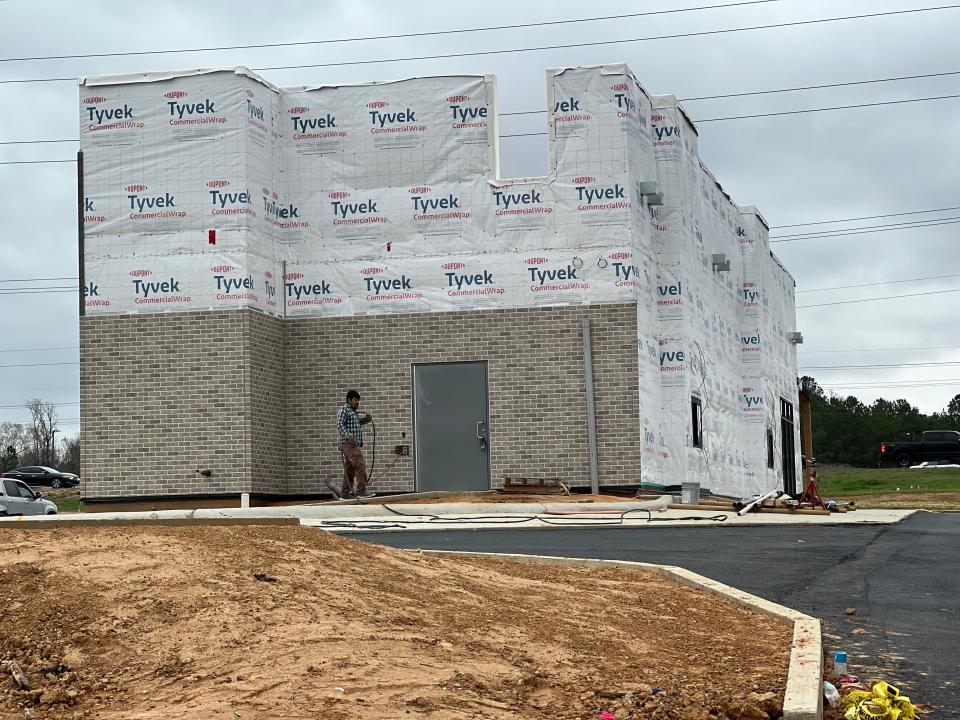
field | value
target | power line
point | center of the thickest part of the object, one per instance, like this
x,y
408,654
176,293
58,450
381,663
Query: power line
x,y
880,228
46,279
35,162
696,120
18,350
866,217
825,109
876,367
841,231
566,46
57,404
16,365
398,36
937,347
885,282
690,99
824,86
885,297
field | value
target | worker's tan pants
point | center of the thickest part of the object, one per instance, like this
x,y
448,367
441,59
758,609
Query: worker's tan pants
x,y
354,466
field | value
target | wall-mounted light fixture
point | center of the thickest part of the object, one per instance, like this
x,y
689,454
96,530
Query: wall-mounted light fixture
x,y
650,190
720,262
795,338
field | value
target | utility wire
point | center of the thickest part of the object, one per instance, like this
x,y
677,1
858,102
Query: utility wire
x,y
885,282
885,297
705,97
918,225
58,404
507,51
533,134
831,233
16,365
363,38
876,367
46,279
49,349
935,347
865,217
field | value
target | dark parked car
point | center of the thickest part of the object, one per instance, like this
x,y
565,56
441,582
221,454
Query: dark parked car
x,y
40,475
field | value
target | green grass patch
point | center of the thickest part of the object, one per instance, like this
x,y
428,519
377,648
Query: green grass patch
x,y
841,481
67,504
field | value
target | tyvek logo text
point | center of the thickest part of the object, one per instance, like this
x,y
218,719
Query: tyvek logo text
x,y
162,291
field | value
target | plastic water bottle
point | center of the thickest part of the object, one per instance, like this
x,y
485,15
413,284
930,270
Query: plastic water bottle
x,y
831,694
840,663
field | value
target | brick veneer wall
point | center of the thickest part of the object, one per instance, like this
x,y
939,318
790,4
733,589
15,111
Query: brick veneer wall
x,y
162,396
254,398
265,343
538,425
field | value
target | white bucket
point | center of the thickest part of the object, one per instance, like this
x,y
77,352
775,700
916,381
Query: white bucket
x,y
690,493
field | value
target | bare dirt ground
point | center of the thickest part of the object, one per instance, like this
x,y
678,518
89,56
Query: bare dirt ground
x,y
172,622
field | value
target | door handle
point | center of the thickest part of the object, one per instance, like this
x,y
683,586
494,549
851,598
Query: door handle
x,y
479,430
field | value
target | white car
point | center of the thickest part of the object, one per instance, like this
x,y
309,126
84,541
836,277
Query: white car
x,y
16,498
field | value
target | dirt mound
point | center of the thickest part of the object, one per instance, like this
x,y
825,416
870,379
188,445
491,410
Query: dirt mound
x,y
274,622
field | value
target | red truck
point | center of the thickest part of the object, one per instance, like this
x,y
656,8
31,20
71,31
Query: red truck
x,y
935,445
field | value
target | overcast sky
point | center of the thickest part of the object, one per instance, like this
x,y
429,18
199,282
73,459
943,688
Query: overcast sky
x,y
797,168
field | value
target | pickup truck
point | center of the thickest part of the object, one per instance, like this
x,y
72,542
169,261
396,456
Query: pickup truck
x,y
16,498
935,445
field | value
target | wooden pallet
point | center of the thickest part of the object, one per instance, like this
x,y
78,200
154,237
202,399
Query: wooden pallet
x,y
536,486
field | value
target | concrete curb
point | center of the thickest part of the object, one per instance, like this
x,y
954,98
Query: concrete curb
x,y
803,699
342,510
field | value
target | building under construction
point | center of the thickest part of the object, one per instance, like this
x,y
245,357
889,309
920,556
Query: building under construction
x,y
249,253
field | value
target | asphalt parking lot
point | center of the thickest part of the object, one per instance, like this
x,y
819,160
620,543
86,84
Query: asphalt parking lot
x,y
888,594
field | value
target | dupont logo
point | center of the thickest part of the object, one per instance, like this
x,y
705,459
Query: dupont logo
x,y
620,87
535,261
267,274
584,180
269,193
338,195
419,190
618,256
94,99
377,104
458,98
248,93
175,94
222,268
298,110
217,183
141,273
371,271
135,188
293,276
453,266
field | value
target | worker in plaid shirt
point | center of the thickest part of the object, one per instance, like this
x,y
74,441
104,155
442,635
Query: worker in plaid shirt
x,y
349,428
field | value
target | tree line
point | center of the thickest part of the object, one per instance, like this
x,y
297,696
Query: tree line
x,y
35,442
847,431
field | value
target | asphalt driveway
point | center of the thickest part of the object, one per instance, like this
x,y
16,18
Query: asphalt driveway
x,y
901,581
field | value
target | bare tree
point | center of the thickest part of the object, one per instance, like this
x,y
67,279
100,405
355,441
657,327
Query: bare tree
x,y
44,430
14,443
70,457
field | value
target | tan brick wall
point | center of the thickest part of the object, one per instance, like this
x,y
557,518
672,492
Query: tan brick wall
x,y
266,337
162,395
254,398
536,385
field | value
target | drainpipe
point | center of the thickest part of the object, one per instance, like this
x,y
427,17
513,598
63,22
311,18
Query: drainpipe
x,y
591,417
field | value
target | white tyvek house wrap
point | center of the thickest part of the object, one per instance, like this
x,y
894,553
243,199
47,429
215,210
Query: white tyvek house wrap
x,y
385,198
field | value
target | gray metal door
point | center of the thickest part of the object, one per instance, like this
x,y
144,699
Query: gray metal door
x,y
450,422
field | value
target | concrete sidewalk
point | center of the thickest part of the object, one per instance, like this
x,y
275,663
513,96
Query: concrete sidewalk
x,y
380,515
